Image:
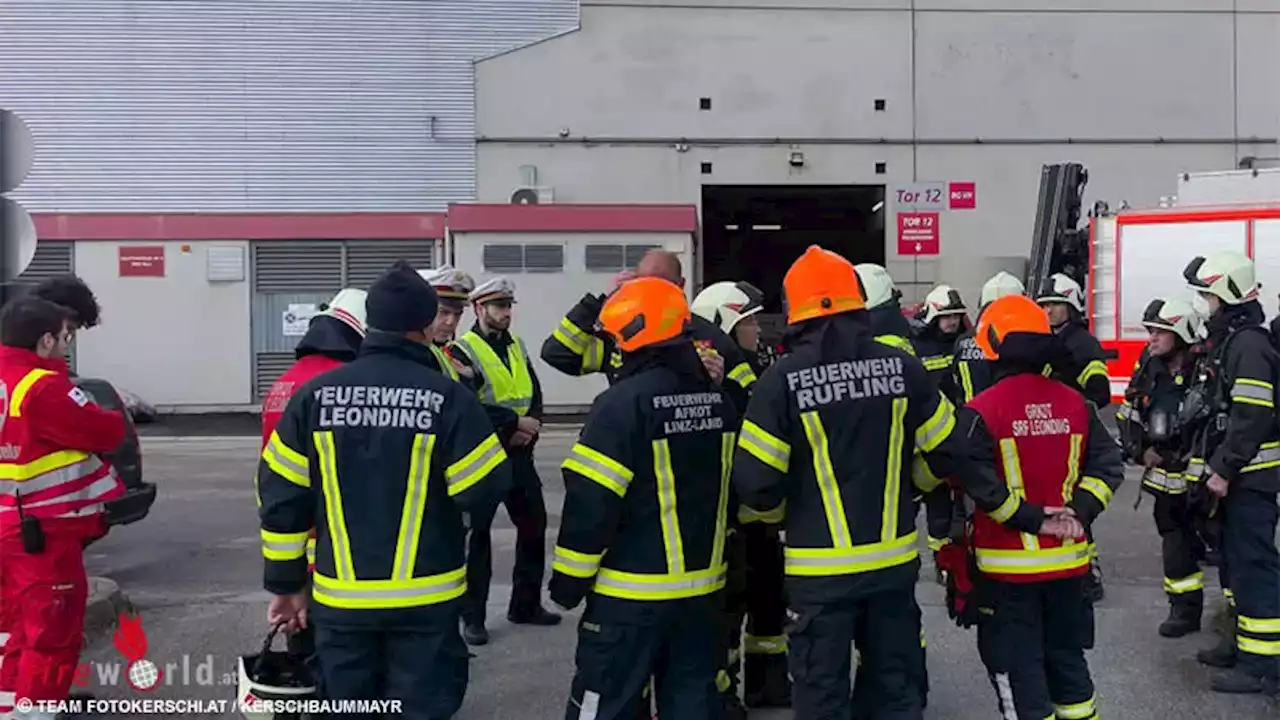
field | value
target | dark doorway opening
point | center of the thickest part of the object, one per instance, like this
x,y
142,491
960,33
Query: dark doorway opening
x,y
755,232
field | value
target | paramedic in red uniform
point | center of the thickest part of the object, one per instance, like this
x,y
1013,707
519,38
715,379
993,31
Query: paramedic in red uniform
x,y
1041,468
52,487
333,339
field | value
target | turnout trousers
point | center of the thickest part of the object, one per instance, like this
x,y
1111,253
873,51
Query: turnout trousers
x,y
423,665
1032,638
1183,579
42,602
886,627
1249,549
764,646
865,698
624,643
528,512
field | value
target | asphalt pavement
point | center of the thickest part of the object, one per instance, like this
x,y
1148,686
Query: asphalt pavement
x,y
193,571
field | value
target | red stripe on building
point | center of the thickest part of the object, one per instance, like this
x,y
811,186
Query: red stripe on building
x,y
504,217
239,226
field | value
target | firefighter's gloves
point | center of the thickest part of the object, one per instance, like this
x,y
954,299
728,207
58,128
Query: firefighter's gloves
x,y
1061,523
953,560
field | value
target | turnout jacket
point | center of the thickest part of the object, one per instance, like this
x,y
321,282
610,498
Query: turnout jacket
x,y
1034,442
382,456
1085,367
647,485
1242,368
831,431
937,351
971,371
578,348
1149,418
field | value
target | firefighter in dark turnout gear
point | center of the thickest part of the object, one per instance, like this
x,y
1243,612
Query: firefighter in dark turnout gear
x,y
889,326
759,596
884,306
504,376
333,338
578,347
381,456
971,370
1083,367
1154,436
645,516
1041,467
830,432
945,318
1243,462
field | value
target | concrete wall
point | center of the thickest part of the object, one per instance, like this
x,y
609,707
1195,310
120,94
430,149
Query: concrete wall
x,y
1137,94
178,340
542,299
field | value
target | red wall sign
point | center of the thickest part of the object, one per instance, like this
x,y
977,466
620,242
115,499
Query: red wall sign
x,y
141,261
963,195
918,233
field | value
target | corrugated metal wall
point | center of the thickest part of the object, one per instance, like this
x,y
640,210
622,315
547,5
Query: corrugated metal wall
x,y
289,272
280,105
52,258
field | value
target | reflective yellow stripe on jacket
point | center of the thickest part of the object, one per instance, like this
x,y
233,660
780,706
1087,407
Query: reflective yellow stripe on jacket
x,y
1033,559
678,582
402,590
509,387
446,365
743,375
52,470
844,557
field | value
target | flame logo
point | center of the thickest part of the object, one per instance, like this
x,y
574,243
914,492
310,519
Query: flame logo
x,y
130,639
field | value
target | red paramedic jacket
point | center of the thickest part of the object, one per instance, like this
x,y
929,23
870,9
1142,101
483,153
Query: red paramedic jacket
x,y
277,400
1040,431
50,436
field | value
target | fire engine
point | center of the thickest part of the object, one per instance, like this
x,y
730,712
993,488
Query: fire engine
x,y
1135,255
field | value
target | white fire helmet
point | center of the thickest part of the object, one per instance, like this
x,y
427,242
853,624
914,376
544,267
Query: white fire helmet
x,y
877,284
347,307
1062,289
942,300
1176,315
727,303
1001,284
1226,273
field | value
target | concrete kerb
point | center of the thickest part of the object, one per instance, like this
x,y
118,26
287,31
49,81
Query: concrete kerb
x,y
102,609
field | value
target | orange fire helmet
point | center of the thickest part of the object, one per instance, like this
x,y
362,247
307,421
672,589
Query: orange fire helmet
x,y
645,311
819,284
1009,315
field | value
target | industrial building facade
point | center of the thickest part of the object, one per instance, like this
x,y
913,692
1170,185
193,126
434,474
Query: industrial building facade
x,y
781,122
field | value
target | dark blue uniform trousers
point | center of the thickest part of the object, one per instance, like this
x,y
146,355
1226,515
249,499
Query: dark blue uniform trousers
x,y
424,665
886,628
1249,548
622,643
528,511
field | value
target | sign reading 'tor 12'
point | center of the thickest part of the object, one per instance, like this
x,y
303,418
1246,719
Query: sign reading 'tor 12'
x,y
918,233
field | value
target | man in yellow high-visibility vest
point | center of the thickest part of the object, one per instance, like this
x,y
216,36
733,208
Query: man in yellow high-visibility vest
x,y
507,384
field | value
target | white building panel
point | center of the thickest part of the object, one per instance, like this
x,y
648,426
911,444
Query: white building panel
x,y
180,341
264,105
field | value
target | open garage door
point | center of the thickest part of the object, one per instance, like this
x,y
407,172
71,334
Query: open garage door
x,y
754,233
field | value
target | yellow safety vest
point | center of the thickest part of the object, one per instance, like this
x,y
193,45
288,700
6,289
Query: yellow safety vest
x,y
446,365
509,384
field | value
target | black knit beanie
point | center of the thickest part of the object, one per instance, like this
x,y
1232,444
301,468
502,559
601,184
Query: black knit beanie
x,y
400,301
